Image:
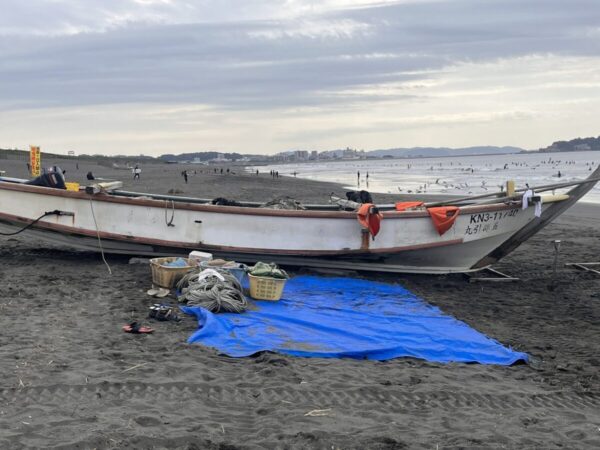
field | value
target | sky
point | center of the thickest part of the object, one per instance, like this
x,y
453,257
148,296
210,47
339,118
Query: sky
x,y
263,76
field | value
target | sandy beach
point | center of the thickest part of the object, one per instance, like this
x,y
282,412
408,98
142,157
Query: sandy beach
x,y
71,378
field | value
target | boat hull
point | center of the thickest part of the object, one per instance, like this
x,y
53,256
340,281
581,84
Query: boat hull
x,y
457,258
407,242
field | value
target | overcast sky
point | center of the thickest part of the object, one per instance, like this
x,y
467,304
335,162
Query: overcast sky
x,y
263,76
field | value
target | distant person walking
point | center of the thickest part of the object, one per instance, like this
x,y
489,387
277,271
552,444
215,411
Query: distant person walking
x,y
185,176
136,172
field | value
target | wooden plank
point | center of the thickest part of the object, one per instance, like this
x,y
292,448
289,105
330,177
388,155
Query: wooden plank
x,y
498,277
103,187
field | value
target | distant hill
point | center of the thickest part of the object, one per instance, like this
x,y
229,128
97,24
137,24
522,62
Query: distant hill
x,y
416,152
574,145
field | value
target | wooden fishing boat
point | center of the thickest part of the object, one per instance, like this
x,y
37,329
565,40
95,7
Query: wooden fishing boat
x,y
485,229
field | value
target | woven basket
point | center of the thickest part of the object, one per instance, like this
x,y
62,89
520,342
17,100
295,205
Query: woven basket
x,y
167,276
266,288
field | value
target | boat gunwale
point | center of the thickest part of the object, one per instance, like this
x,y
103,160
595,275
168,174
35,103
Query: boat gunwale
x,y
143,200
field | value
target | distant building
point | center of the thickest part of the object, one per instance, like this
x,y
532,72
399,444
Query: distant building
x,y
301,155
220,159
582,147
71,153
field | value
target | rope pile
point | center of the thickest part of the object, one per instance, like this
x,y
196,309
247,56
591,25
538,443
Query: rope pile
x,y
283,202
219,292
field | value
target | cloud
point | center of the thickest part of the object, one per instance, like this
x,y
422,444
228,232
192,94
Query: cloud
x,y
272,58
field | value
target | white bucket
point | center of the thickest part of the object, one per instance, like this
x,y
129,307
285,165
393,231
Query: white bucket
x,y
199,257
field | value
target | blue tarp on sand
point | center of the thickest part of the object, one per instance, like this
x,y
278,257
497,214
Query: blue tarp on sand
x,y
352,318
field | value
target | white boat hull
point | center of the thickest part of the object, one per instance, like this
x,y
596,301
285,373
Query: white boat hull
x,y
407,241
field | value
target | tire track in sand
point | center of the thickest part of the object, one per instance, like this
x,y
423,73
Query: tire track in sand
x,y
302,395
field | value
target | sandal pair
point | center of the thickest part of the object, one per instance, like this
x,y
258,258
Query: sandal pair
x,y
158,292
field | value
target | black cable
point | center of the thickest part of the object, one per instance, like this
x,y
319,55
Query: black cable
x,y
47,213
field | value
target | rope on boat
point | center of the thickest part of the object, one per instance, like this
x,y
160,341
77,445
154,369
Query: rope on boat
x,y
169,222
56,212
98,235
220,292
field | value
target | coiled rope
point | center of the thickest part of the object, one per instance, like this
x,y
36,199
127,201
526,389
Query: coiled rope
x,y
216,293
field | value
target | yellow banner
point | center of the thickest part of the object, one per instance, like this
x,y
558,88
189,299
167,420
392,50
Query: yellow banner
x,y
35,160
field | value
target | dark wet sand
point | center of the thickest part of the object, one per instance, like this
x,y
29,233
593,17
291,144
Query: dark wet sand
x,y
70,378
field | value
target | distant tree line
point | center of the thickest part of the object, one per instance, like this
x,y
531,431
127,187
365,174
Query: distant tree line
x,y
574,145
15,153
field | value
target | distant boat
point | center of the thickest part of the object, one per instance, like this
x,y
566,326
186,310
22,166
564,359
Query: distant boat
x,y
483,232
121,167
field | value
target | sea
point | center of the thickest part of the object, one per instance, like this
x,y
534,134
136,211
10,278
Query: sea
x,y
457,175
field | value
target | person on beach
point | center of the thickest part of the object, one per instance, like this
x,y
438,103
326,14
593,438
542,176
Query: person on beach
x,y
185,176
136,172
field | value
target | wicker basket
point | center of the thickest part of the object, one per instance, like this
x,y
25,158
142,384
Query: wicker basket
x,y
266,288
167,276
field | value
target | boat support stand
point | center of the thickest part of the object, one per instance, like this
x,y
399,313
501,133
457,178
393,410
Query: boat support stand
x,y
584,266
494,276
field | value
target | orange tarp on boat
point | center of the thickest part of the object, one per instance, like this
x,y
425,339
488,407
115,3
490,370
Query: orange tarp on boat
x,y
440,218
403,206
369,220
